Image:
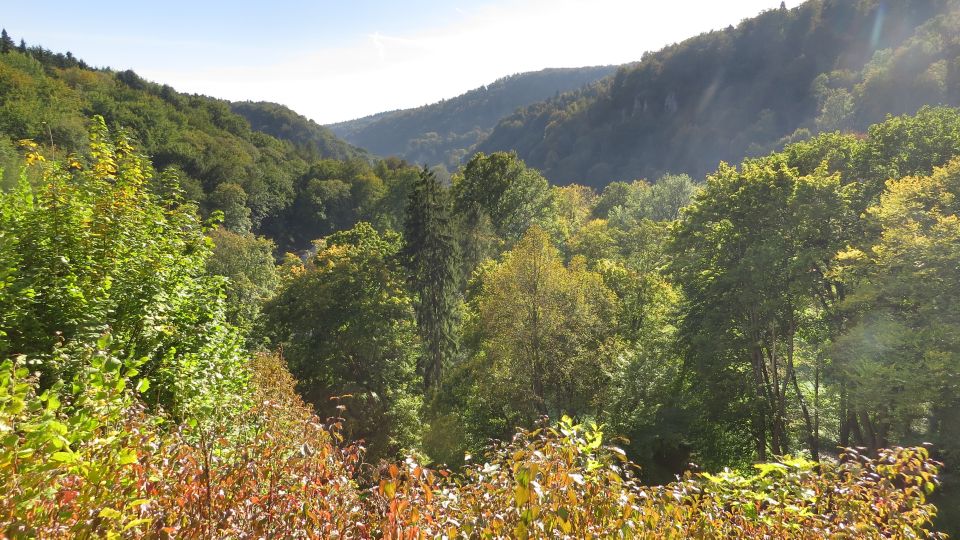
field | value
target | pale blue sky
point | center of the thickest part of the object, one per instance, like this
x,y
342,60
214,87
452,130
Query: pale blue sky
x,y
334,61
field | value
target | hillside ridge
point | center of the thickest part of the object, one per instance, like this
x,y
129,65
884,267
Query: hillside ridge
x,y
775,78
445,132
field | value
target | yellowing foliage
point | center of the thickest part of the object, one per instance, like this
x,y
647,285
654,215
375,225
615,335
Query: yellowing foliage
x,y
102,466
562,482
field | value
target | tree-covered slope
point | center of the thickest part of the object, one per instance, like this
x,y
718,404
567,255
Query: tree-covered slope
x,y
130,408
446,131
49,98
622,364
283,123
745,90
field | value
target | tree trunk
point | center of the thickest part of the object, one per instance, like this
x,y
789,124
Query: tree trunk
x,y
759,435
872,441
807,420
759,416
845,416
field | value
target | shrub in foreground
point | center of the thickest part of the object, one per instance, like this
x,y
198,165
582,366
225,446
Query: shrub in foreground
x,y
562,482
101,465
101,243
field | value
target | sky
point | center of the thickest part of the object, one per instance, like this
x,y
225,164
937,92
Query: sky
x,y
338,60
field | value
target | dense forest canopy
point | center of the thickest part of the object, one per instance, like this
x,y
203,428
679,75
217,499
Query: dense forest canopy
x,y
220,161
788,307
746,90
309,137
208,330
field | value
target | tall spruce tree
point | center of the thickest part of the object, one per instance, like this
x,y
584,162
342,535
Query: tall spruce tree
x,y
6,43
432,260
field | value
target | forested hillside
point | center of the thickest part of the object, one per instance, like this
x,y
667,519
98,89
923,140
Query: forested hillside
x,y
210,332
446,132
309,137
261,182
791,306
822,66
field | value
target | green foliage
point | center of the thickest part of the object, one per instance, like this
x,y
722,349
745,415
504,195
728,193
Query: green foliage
x,y
564,482
645,403
6,42
220,161
752,253
804,268
497,198
569,211
446,131
346,326
335,195
89,248
432,261
793,304
100,466
399,178
899,79
730,328
247,262
312,140
127,405
231,200
613,195
909,145
545,339
745,90
899,356
661,201
97,464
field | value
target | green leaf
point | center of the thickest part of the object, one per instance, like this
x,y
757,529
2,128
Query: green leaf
x,y
767,468
128,456
110,513
136,523
64,457
53,403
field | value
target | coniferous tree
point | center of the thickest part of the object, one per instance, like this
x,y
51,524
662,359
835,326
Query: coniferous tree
x,y
23,46
6,43
432,260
